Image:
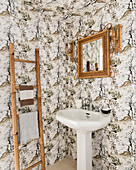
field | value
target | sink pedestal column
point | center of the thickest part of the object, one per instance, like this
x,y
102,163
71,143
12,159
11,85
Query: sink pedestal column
x,y
84,150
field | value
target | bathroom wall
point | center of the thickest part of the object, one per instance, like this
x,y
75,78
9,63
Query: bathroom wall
x,y
49,25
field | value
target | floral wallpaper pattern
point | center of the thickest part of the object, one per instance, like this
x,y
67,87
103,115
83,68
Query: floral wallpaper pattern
x,y
49,25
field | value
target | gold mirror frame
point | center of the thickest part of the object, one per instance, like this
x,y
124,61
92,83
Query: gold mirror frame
x,y
105,36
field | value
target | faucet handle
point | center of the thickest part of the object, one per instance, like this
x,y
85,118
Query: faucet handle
x,y
87,103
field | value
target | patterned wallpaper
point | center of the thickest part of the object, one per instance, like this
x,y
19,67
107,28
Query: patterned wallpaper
x,y
49,25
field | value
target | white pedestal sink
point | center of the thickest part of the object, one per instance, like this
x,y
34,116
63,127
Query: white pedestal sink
x,y
84,122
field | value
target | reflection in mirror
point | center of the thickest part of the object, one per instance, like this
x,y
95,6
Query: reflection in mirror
x,y
93,56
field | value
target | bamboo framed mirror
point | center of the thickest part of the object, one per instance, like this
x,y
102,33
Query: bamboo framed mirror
x,y
94,55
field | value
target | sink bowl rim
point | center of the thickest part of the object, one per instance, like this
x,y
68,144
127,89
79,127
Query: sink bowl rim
x,y
84,125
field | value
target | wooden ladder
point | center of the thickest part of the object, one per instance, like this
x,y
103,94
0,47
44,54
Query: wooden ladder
x,y
14,111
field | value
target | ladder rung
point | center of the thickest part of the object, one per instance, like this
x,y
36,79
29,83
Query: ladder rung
x,y
27,61
33,165
30,140
17,87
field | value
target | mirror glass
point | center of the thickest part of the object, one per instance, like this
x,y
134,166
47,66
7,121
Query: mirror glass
x,y
93,56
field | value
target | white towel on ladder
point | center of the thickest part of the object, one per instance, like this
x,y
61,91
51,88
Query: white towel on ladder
x,y
26,95
28,125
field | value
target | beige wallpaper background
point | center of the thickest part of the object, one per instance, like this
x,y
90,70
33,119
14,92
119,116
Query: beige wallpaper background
x,y
49,25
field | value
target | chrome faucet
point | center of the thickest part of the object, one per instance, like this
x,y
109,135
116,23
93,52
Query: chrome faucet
x,y
87,103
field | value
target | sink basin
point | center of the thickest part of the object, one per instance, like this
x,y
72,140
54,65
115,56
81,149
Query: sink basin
x,y
84,122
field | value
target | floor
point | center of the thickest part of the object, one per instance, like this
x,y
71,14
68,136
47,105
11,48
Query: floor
x,y
65,164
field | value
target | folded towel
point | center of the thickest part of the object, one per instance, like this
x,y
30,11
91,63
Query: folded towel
x,y
28,126
26,95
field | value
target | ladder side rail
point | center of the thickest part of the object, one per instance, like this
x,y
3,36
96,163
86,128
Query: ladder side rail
x,y
14,112
39,108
